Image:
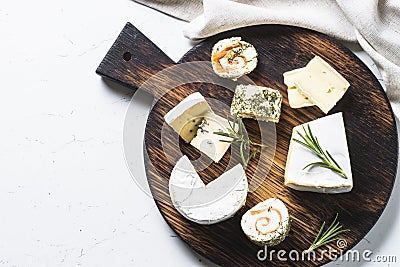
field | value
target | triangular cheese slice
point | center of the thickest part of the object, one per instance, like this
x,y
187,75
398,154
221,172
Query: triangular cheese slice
x,y
331,135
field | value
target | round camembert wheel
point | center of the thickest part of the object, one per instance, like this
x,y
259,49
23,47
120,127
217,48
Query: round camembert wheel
x,y
215,202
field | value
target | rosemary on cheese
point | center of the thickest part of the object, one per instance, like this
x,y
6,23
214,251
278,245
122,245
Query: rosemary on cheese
x,y
238,134
311,142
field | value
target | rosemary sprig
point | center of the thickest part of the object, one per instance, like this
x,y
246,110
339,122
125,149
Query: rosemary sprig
x,y
328,236
311,142
238,134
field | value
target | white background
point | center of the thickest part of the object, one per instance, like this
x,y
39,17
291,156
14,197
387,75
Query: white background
x,y
66,195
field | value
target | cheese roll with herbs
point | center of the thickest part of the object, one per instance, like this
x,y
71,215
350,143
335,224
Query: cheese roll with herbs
x,y
267,223
232,58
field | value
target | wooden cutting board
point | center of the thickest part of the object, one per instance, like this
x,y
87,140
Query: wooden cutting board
x,y
369,120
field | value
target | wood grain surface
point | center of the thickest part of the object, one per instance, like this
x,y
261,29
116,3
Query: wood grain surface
x,y
370,128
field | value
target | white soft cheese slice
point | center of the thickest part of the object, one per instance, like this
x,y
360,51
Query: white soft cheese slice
x,y
208,142
207,204
331,135
321,83
196,123
290,76
296,99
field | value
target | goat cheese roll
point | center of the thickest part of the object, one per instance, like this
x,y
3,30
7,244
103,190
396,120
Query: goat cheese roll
x,y
232,58
267,223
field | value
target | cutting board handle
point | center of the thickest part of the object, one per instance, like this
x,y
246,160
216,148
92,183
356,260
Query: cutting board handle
x,y
133,59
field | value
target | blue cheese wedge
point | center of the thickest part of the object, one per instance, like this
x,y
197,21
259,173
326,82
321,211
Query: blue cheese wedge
x,y
267,223
207,204
185,117
232,58
194,120
296,98
321,83
261,103
331,135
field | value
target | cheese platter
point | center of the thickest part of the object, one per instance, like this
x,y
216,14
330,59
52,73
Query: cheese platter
x,y
326,119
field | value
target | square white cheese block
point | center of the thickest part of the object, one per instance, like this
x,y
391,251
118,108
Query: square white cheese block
x,y
321,83
331,135
296,99
195,122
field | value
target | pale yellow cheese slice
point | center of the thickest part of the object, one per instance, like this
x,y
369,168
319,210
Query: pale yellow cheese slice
x,y
290,76
321,83
296,99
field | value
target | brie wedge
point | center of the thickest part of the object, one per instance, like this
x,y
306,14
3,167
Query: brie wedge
x,y
207,204
331,135
196,123
321,83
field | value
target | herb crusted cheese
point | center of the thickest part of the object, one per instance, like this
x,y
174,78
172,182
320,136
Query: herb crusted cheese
x,y
261,103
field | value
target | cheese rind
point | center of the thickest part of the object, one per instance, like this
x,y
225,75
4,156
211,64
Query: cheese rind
x,y
207,204
318,179
261,103
321,83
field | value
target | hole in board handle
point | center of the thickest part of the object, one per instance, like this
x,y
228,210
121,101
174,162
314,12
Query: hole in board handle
x,y
127,56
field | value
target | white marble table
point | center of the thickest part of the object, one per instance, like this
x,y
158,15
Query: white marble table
x,y
66,195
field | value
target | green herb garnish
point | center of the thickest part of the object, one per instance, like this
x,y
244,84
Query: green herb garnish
x,y
238,134
328,236
327,161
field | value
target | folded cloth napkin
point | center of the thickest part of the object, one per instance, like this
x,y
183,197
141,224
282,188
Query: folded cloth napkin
x,y
374,24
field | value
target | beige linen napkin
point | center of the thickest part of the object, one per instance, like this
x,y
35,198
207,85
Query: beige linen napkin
x,y
374,24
